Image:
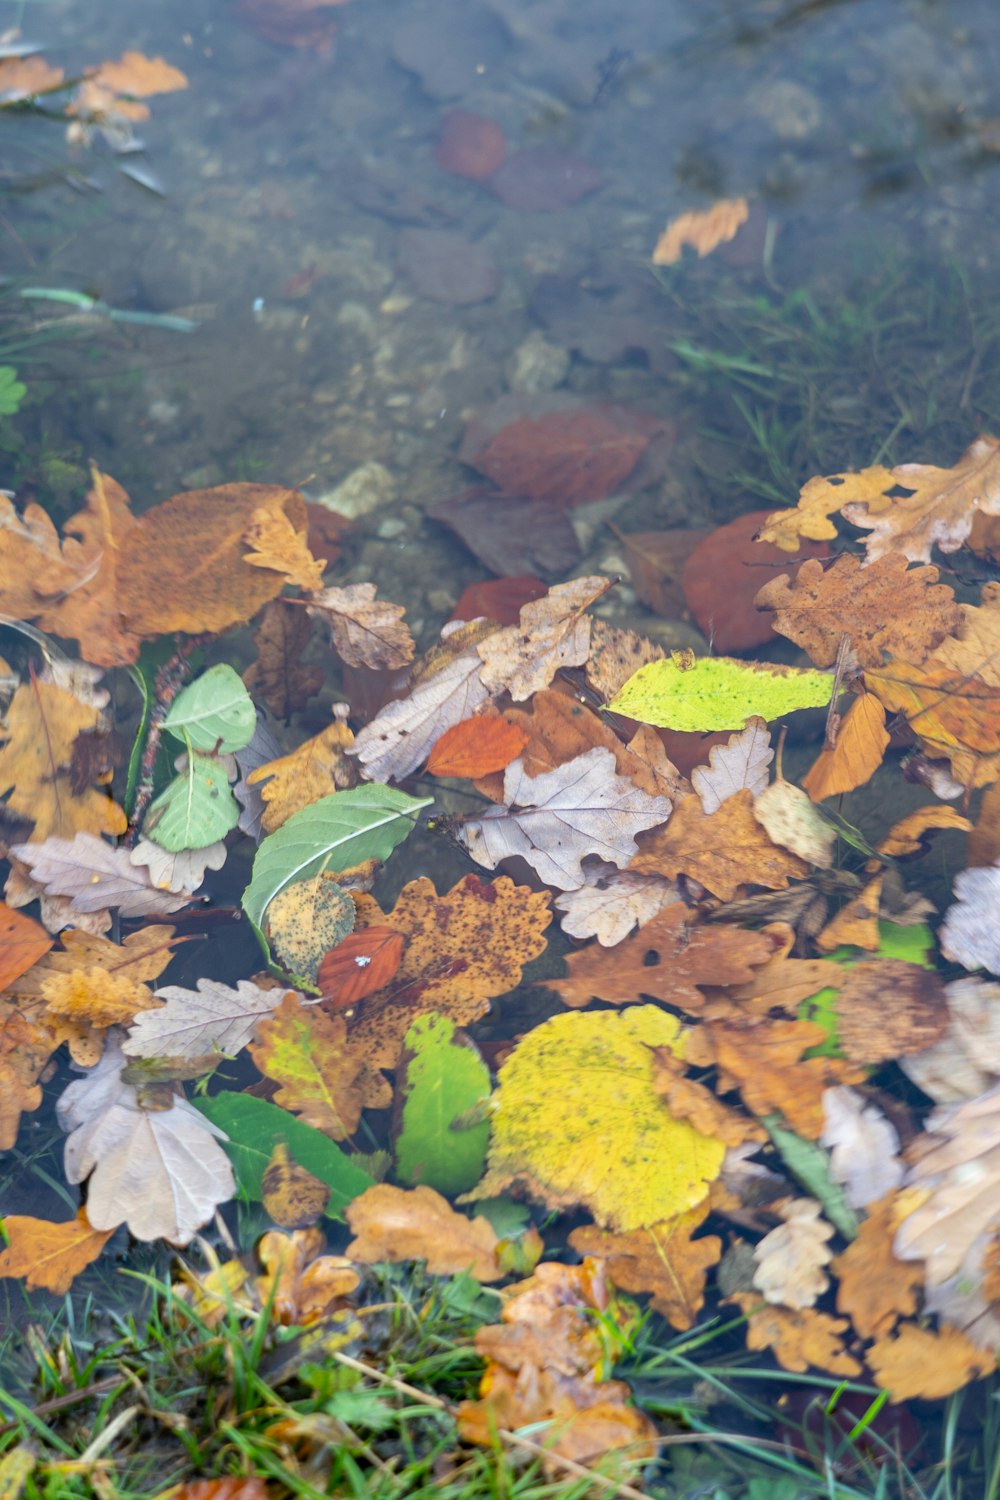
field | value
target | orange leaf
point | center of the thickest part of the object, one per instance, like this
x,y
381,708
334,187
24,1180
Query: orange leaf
x,y
907,836
765,1062
702,229
662,1260
476,747
876,1287
364,962
723,851
857,754
915,1363
140,76
49,1256
277,544
392,1223
856,923
799,1337
22,943
41,727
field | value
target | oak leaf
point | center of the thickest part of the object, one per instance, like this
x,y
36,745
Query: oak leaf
x,y
791,1259
276,544
743,761
611,902
886,607
392,1224
22,943
857,922
663,1260
20,77
292,1196
554,820
300,1283
916,1364
177,871
96,876
477,746
96,997
670,959
910,835
577,1120
875,1288
365,632
856,755
799,1338
952,714
214,1018
41,725
938,511
279,678
863,1147
461,950
49,1256
140,76
321,1073
686,1099
702,229
316,768
552,633
724,851
765,1061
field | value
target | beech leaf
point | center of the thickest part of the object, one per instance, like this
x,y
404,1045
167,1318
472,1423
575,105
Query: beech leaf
x,y
196,809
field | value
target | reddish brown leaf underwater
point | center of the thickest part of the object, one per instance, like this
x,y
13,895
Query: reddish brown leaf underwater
x,y
469,145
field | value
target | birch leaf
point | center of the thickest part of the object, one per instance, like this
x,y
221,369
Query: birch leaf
x,y
743,761
196,809
95,876
194,1023
554,820
365,632
790,1260
214,713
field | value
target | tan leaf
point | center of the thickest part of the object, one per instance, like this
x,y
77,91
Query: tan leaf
x,y
611,902
318,767
800,1339
20,77
856,923
876,1288
791,1259
301,1284
41,726
663,1261
743,761
965,1062
553,632
141,76
96,997
907,837
614,655
703,230
887,1007
292,1196
790,819
723,852
916,1364
689,1100
765,1062
276,544
391,1224
818,500
366,632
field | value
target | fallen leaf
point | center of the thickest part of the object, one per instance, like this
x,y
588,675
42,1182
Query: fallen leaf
x,y
96,876
577,1120
476,747
279,677
611,902
461,950
551,633
469,145
322,1075
857,923
447,267
615,655
743,761
96,997
799,1338
21,77
663,1261
393,1224
293,1197
669,959
702,229
886,607
498,599
766,1060
39,731
195,1023
861,743
275,543
887,1007
724,852
863,1147
181,871
960,1065
970,934
291,23
655,561
789,818
553,821
22,944
441,1077
361,963
544,179
139,76
917,1364
510,534
365,632
792,1258
721,578
315,769
717,692
301,1284
686,1099
875,1287
306,920
49,1256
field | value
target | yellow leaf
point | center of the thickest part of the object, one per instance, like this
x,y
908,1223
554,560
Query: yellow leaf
x,y
322,1076
49,1256
916,1363
276,544
577,1120
35,765
857,754
95,996
318,767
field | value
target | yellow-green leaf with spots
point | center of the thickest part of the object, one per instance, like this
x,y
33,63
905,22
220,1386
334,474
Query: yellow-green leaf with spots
x,y
717,692
577,1120
321,1076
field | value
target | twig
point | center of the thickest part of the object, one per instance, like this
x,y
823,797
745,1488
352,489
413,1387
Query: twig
x,y
170,678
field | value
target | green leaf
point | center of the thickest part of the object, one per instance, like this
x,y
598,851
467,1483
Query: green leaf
x,y
718,692
441,1078
215,712
196,809
12,391
334,833
809,1164
255,1127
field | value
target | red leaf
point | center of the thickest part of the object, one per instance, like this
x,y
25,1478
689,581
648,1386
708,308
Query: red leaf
x,y
498,599
543,179
470,145
476,747
364,962
510,533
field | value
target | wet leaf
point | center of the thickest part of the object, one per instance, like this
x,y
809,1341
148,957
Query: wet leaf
x,y
403,733
743,761
918,1364
767,1061
799,1338
39,732
611,902
306,920
49,1257
95,996
365,632
887,1007
291,23
393,1224
214,1017
857,754
791,1259
446,267
720,580
663,1260
551,633
789,818
361,963
876,1288
277,544
476,747
22,943
469,145
965,1062
301,1284
279,678
293,1197
510,534
863,1146
723,852
316,768
717,692
702,230
214,713
196,809
96,877
321,1074
441,1077
565,455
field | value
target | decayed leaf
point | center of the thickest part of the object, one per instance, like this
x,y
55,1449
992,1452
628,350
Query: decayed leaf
x,y
611,902
663,1261
279,678
668,959
96,876
953,714
876,1288
743,761
22,943
939,510
160,1171
971,932
462,949
362,963
553,821
723,852
799,1338
402,735
702,229
50,1256
292,1196
365,632
856,924
391,1224
322,1075
791,1259
301,1284
885,607
863,1146
41,725
887,1007
614,656
477,746
965,1062
577,1120
276,544
306,920
857,754
318,767
789,818
195,1023
917,1364
568,455
552,632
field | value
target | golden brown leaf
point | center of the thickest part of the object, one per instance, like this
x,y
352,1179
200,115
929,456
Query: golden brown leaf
x,y
322,1075
799,1338
20,77
703,230
887,1008
856,923
886,607
765,1062
856,755
686,1099
819,499
318,767
50,1256
907,836
300,1283
916,1364
140,76
41,726
462,949
875,1287
391,1223
952,714
22,943
292,1196
276,544
95,997
724,851
663,1261
615,654
279,677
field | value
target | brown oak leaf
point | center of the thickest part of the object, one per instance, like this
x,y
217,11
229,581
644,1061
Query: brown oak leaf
x,y
393,1223
279,677
799,1338
366,632
876,1288
724,851
664,1261
321,1073
915,1363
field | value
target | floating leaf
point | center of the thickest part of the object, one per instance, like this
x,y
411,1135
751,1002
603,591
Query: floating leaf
x,y
214,713
49,1256
365,632
718,692
662,1260
361,963
441,1077
392,1224
196,808
279,545
476,747
320,1072
315,769
791,1259
96,876
861,743
744,761
306,920
195,1023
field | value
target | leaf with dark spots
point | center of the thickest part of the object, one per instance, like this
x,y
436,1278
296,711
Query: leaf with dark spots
x,y
544,179
511,533
97,753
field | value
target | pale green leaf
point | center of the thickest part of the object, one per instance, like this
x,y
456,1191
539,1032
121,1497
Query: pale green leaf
x,y
334,833
442,1078
215,712
196,809
718,692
